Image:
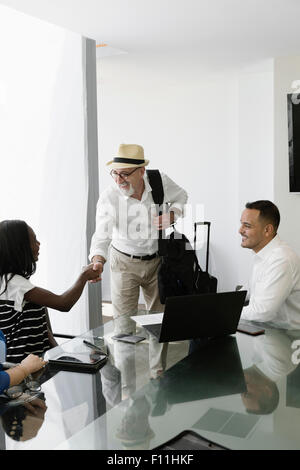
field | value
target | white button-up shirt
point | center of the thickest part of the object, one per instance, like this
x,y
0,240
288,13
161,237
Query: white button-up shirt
x,y
128,222
275,286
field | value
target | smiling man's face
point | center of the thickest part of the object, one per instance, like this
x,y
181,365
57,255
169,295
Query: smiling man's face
x,y
255,231
129,180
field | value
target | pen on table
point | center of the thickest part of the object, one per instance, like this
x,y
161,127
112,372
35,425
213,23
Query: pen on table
x,y
93,346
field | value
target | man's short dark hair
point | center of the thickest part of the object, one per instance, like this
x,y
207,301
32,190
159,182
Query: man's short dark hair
x,y
268,211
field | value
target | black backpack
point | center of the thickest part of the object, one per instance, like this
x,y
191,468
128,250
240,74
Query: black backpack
x,y
179,273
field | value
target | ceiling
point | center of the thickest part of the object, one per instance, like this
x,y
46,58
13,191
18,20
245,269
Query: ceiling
x,y
231,31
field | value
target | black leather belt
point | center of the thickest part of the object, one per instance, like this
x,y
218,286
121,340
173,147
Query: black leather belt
x,y
142,258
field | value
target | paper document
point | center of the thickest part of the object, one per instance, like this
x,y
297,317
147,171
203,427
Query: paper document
x,y
151,319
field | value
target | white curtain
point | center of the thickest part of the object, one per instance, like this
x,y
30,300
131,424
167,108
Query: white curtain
x,y
43,152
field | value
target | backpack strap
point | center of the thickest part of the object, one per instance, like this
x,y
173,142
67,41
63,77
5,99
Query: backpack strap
x,y
155,181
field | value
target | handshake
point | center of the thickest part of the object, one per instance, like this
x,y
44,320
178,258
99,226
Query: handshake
x,y
93,271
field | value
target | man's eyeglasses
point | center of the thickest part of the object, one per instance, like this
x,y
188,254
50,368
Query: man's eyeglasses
x,y
124,176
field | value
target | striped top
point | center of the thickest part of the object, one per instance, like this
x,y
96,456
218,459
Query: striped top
x,y
26,332
24,324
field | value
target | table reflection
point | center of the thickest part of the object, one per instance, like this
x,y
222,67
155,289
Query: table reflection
x,y
240,392
272,360
22,422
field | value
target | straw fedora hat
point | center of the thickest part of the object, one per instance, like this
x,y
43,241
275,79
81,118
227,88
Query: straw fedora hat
x,y
129,156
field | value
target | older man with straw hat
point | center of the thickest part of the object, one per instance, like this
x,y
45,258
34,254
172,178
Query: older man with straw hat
x,y
126,222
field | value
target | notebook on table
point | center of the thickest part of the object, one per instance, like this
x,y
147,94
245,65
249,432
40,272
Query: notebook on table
x,y
77,355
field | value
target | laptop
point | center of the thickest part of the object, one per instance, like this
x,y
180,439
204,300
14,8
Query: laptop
x,y
198,316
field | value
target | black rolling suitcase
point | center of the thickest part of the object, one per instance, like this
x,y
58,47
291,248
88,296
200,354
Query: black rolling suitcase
x,y
205,283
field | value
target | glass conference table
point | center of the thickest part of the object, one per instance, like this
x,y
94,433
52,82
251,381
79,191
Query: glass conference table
x,y
239,392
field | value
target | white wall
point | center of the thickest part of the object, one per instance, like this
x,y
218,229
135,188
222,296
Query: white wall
x,y
286,70
186,122
255,136
223,137
263,145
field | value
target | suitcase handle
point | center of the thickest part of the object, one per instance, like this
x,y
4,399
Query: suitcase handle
x,y
208,234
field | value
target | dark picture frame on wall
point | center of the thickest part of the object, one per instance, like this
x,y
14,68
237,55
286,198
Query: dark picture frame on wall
x,y
293,106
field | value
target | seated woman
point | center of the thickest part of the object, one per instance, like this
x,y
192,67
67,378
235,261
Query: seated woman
x,y
23,314
17,374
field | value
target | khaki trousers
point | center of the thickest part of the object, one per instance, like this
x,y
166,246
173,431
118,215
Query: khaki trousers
x,y
127,277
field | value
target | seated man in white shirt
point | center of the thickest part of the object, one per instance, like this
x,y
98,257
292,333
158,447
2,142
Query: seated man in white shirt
x,y
126,220
275,283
